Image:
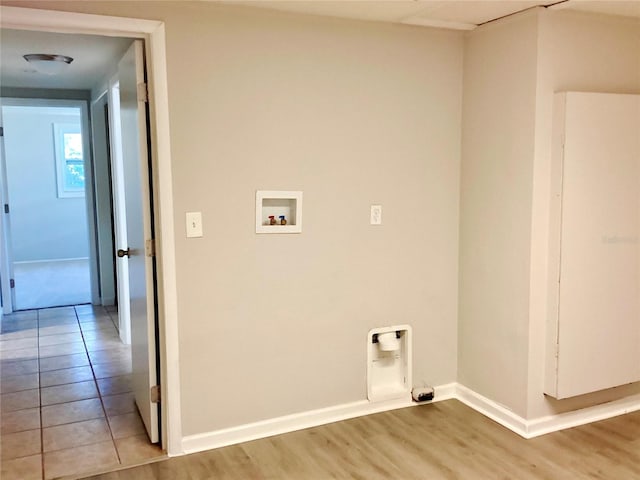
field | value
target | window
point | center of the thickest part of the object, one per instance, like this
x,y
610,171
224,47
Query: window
x,y
69,159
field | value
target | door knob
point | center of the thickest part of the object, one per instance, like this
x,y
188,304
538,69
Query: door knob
x,y
122,253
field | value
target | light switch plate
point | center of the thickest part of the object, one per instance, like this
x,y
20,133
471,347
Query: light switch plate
x,y
194,224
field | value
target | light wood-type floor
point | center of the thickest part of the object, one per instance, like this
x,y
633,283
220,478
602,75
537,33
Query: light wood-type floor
x,y
443,440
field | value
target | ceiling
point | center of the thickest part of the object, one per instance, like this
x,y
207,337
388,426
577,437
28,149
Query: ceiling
x,y
456,14
461,15
94,55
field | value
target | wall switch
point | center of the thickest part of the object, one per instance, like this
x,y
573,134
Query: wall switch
x,y
376,215
194,224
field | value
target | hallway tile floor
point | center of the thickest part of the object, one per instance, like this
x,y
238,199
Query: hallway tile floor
x,y
66,404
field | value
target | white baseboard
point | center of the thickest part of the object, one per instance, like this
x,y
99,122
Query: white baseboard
x,y
288,423
543,425
108,301
51,260
483,405
491,409
299,421
553,423
445,392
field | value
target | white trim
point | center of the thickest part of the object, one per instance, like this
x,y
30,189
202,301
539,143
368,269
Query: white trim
x,y
299,421
553,423
152,31
444,392
543,425
496,412
76,23
431,22
60,129
288,423
72,259
168,301
6,252
489,408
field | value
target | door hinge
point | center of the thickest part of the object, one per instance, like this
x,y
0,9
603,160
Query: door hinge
x,y
12,283
155,394
150,248
6,208
1,131
143,92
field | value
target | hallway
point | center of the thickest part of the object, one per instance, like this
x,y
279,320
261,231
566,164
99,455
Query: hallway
x,y
66,402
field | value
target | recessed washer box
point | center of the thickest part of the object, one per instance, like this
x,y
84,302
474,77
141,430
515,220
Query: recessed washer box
x,y
278,203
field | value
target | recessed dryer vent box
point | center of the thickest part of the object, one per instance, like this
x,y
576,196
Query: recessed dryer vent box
x,y
389,363
276,204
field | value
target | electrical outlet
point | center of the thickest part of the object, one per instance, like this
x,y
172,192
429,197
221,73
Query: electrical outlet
x,y
376,215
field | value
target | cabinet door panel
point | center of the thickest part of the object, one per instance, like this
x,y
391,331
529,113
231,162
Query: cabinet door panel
x,y
598,334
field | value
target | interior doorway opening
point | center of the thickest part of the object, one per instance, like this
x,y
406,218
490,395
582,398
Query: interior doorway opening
x,y
108,162
46,155
31,21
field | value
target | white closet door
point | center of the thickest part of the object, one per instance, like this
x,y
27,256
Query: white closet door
x,y
598,327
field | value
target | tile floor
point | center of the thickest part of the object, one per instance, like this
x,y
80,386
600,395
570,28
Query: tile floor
x,y
66,404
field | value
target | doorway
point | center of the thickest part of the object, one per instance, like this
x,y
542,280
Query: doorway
x,y
45,175
153,32
88,333
74,355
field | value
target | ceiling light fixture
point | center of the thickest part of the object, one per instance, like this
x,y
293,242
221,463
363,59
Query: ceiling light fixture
x,y
47,63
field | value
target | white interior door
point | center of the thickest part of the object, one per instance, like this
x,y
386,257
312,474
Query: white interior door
x,y
119,212
139,233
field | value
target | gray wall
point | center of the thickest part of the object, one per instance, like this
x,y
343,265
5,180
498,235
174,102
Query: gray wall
x,y
497,140
43,226
49,93
512,69
352,113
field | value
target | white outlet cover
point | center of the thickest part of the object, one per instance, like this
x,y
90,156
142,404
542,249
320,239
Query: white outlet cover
x,y
376,215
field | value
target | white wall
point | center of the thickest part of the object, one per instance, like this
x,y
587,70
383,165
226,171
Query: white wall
x,y
43,226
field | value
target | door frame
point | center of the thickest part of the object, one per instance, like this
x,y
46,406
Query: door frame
x,y
110,100
6,254
153,33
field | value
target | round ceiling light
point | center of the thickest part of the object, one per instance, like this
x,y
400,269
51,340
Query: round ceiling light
x,y
47,63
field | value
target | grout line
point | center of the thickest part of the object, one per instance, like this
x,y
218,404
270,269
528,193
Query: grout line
x,y
95,380
40,399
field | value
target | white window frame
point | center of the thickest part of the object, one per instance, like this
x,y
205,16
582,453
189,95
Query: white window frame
x,y
59,130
